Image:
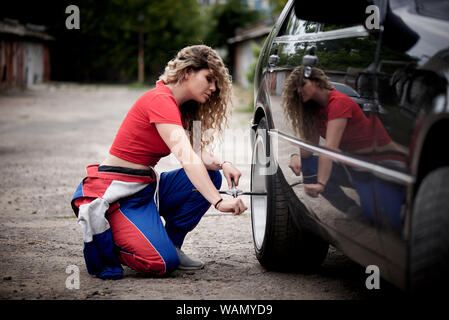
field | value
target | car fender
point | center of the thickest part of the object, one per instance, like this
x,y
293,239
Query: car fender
x,y
261,109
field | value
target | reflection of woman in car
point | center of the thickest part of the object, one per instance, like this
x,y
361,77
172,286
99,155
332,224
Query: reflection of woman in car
x,y
317,109
123,199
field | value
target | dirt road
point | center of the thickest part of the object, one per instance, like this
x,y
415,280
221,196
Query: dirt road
x,y
48,134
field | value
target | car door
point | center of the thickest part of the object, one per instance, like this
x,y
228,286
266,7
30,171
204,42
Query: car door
x,y
346,208
411,84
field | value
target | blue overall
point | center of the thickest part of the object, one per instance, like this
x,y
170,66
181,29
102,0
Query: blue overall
x,y
373,192
140,238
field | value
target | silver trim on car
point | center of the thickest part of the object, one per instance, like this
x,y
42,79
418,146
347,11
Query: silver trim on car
x,y
399,177
350,32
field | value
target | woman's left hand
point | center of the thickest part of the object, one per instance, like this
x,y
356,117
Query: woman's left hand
x,y
313,190
231,172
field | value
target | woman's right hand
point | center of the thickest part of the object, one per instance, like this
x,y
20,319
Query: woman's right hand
x,y
236,206
295,164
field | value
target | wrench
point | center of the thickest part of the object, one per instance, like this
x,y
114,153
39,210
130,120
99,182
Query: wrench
x,y
234,192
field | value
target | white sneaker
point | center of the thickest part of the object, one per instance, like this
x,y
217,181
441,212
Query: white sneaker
x,y
188,263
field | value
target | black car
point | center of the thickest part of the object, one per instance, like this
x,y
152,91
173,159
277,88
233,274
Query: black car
x,y
396,217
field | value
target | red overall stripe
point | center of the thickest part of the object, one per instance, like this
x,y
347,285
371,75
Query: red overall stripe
x,y
128,237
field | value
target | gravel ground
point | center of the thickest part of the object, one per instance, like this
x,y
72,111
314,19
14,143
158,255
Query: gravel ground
x,y
48,134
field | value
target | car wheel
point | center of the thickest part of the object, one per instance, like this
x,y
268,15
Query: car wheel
x,y
429,244
279,243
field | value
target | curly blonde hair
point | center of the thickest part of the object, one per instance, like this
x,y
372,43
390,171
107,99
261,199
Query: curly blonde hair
x,y
213,114
303,115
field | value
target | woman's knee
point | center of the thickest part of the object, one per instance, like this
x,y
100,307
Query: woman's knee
x,y
215,176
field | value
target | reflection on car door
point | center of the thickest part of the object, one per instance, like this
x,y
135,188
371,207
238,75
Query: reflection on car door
x,y
346,206
408,88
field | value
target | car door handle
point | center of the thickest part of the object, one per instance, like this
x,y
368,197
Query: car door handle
x,y
273,60
372,107
368,107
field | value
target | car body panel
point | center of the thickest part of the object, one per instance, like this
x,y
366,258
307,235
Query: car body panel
x,y
409,97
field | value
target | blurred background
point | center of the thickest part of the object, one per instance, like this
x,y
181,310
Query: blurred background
x,y
126,41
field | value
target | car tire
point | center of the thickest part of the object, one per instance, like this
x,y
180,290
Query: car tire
x,y
429,236
278,242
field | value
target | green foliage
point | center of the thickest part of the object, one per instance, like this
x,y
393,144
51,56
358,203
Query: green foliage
x,y
106,46
250,73
179,25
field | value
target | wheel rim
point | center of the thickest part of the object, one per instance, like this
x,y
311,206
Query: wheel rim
x,y
258,184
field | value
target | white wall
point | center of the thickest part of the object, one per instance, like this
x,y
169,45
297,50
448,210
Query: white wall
x,y
34,63
244,59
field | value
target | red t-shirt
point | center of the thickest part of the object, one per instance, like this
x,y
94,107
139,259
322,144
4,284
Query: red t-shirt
x,y
358,133
138,140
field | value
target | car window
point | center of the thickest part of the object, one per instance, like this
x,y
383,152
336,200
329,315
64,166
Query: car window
x,y
347,90
329,26
295,26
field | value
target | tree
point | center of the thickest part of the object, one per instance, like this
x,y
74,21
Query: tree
x,y
224,20
170,26
111,33
105,48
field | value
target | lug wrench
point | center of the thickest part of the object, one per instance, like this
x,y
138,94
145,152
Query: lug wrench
x,y
234,192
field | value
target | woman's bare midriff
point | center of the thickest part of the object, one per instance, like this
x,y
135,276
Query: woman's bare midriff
x,y
117,162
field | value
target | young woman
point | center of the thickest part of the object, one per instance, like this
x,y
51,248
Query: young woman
x,y
120,202
317,110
